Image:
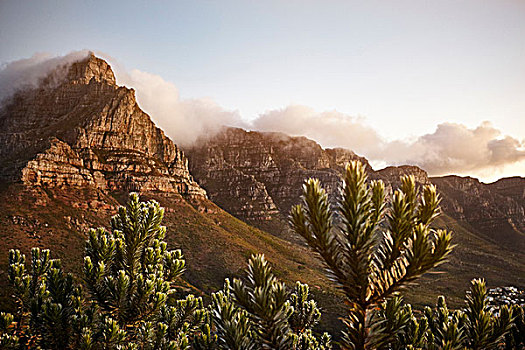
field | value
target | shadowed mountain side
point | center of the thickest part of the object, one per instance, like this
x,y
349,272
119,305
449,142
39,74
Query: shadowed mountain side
x,y
258,176
496,212
215,244
473,257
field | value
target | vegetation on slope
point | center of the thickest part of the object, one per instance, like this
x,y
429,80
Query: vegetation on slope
x,y
130,301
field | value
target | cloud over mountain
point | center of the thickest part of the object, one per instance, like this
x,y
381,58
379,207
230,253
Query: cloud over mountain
x,y
29,72
184,120
451,148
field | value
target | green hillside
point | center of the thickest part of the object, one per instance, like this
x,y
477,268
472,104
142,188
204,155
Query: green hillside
x,y
217,245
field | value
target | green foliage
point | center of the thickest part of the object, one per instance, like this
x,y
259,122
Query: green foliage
x,y
305,314
377,250
129,275
8,338
474,328
259,313
483,330
49,304
390,322
308,341
265,300
233,324
445,328
515,339
128,271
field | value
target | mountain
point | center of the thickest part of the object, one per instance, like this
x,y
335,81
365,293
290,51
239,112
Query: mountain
x,y
76,145
257,176
496,211
84,130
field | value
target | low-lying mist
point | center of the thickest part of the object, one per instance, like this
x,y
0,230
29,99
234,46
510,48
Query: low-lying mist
x,y
29,72
452,148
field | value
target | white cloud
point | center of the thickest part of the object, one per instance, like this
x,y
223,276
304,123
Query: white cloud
x,y
29,72
451,148
184,120
331,129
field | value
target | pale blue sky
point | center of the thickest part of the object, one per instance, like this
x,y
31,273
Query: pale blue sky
x,y
404,66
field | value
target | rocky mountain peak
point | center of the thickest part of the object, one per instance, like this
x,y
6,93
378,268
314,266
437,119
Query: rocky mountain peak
x,y
91,68
393,174
84,130
83,71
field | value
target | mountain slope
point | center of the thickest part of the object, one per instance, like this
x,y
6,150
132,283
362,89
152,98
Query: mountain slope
x,y
71,151
495,211
242,169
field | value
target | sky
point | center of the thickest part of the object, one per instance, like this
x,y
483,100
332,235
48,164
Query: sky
x,y
440,84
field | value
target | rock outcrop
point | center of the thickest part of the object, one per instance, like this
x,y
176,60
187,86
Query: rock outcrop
x,y
258,176
79,128
496,210
513,187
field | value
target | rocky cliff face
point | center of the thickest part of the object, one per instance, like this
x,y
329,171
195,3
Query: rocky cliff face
x,y
258,177
78,128
513,187
496,210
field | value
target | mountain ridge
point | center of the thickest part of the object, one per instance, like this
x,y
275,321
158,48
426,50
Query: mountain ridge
x,y
277,167
72,149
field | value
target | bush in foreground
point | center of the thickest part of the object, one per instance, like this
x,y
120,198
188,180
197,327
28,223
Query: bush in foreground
x,y
381,247
127,299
